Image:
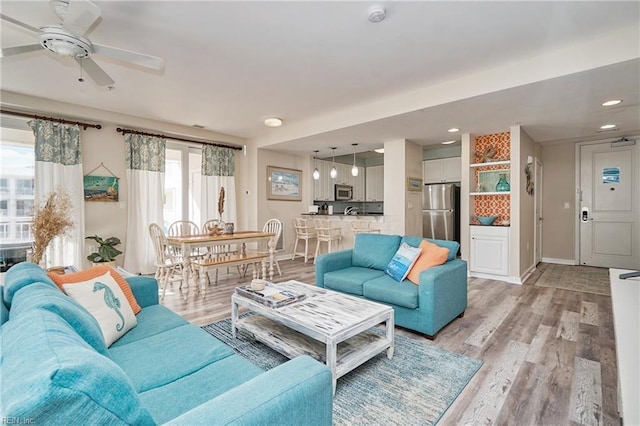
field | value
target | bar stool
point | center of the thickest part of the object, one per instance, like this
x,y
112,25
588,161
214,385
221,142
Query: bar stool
x,y
326,234
305,231
360,227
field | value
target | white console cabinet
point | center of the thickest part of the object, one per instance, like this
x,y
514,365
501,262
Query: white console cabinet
x,y
489,252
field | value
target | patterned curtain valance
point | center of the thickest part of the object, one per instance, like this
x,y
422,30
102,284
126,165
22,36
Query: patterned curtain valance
x,y
217,161
56,143
144,152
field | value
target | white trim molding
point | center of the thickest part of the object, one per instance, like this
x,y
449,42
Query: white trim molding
x,y
559,261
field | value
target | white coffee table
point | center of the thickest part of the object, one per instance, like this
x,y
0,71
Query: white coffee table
x,y
332,327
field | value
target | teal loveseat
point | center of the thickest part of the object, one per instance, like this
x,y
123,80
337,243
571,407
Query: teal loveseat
x,y
57,370
440,298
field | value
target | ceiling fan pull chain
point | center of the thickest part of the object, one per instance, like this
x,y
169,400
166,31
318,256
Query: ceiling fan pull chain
x,y
81,80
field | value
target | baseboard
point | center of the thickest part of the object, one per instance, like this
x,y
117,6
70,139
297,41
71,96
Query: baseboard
x,y
510,280
559,261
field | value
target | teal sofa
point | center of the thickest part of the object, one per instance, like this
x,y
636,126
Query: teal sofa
x,y
57,370
440,298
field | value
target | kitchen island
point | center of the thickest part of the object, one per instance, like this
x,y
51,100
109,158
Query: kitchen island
x,y
344,222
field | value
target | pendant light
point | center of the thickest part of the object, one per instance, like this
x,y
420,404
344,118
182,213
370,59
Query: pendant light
x,y
316,173
334,172
354,169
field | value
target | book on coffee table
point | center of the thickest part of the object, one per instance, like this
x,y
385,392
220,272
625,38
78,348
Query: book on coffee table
x,y
271,296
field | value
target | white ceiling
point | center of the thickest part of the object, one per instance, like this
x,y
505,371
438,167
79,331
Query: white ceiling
x,y
336,78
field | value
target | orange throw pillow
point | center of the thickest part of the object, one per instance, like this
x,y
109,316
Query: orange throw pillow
x,y
96,271
431,255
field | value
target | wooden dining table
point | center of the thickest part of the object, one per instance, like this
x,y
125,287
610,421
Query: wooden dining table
x,y
187,244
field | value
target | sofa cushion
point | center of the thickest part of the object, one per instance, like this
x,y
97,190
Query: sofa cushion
x,y
453,246
167,356
22,275
431,255
94,272
49,298
374,250
350,280
401,262
152,320
50,375
387,290
103,298
198,388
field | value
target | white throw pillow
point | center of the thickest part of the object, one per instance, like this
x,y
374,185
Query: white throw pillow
x,y
402,261
104,299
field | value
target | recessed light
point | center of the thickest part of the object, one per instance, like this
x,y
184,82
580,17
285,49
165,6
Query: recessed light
x,y
612,102
453,130
376,14
607,126
447,142
379,150
273,122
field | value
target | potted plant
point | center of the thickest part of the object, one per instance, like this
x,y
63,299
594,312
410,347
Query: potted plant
x,y
106,250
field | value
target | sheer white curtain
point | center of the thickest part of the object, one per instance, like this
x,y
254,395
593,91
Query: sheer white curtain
x,y
145,161
59,166
218,168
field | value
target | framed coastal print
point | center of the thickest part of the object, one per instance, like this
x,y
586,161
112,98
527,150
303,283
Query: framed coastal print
x,y
414,184
284,184
101,188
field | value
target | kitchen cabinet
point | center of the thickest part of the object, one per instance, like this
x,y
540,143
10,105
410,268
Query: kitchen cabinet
x,y
489,252
323,187
442,170
358,183
374,179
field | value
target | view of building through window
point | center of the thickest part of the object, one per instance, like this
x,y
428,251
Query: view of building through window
x,y
16,196
182,184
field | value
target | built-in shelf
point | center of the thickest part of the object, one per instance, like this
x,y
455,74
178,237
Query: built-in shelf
x,y
492,163
491,193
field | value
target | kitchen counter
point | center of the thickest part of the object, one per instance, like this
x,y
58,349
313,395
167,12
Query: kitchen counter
x,y
344,215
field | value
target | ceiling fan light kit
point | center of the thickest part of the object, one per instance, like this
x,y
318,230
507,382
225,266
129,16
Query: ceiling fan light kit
x,y
273,122
66,40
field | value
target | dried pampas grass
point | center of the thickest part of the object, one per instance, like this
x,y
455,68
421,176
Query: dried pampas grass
x,y
221,202
51,220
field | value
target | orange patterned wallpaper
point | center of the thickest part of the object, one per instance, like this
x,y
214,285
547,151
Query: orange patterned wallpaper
x,y
491,205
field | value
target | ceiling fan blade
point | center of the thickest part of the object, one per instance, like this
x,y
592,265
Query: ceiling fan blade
x,y
80,16
19,23
147,61
94,71
17,50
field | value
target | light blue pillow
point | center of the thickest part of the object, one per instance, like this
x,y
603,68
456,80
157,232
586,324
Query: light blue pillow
x,y
401,263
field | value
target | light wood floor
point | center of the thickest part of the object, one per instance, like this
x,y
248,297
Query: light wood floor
x,y
549,354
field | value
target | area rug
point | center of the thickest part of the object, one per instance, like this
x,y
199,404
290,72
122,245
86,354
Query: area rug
x,y
415,387
587,279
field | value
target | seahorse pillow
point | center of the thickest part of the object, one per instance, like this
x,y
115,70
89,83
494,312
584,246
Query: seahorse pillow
x,y
104,299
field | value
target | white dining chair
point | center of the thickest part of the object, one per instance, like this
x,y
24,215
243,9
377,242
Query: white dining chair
x,y
273,226
168,264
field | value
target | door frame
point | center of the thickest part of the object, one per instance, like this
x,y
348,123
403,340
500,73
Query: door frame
x,y
576,185
537,196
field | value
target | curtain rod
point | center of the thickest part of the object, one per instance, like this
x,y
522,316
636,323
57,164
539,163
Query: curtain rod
x,y
57,120
138,132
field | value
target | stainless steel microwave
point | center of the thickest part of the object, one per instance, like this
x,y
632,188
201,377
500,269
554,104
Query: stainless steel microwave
x,y
343,192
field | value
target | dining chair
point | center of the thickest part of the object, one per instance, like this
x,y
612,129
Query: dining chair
x,y
182,228
326,233
273,226
305,231
168,264
217,250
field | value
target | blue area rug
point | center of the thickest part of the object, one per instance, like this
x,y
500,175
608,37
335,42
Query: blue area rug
x,y
415,387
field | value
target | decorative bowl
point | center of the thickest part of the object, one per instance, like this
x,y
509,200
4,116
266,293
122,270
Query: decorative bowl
x,y
486,220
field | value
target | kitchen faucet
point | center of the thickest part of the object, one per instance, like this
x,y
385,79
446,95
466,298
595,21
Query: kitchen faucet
x,y
351,210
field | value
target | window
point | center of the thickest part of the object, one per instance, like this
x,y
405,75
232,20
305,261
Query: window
x,y
24,208
4,207
24,186
23,231
4,185
4,230
182,184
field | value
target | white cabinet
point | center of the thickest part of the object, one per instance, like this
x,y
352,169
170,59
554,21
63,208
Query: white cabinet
x,y
442,170
489,252
375,183
323,187
358,183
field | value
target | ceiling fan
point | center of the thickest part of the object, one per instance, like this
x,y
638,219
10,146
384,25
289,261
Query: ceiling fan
x,y
76,17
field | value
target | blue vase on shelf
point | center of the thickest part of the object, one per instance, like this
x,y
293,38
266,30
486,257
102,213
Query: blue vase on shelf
x,y
503,185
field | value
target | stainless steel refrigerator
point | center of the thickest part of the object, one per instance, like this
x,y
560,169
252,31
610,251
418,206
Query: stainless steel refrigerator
x,y
441,211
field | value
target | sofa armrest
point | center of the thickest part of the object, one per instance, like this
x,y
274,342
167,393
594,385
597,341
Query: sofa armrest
x,y
145,290
298,392
443,291
331,262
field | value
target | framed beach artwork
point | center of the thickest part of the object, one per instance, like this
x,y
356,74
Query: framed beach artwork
x,y
284,184
101,188
414,184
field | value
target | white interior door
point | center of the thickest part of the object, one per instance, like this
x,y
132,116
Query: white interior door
x,y
609,206
537,193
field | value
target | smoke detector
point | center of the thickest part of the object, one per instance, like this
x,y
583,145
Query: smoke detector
x,y
376,14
